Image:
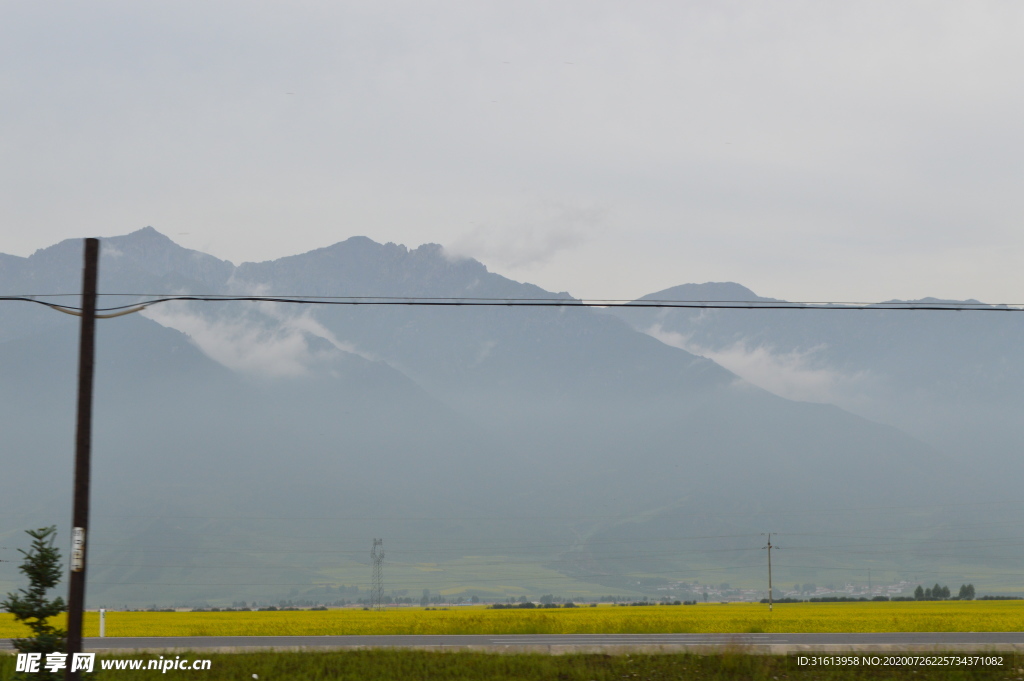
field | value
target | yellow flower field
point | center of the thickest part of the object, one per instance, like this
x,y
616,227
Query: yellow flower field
x,y
705,618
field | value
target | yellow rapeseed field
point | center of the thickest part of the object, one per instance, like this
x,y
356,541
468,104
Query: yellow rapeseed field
x,y
704,618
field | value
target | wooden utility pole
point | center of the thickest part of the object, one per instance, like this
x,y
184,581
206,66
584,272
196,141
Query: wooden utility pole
x,y
83,450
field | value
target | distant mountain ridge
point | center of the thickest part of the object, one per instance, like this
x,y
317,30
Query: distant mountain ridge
x,y
454,432
950,378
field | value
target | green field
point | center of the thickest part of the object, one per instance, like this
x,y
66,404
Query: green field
x,y
705,618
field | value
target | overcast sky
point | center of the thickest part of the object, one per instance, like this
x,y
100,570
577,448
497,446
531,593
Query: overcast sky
x,y
809,150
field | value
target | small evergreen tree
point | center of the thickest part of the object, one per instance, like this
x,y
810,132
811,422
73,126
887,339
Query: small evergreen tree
x,y
919,593
30,606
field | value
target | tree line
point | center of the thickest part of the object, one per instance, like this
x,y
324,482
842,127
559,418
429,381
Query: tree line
x,y
942,593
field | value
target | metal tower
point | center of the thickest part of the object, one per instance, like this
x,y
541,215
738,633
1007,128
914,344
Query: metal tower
x,y
377,591
770,547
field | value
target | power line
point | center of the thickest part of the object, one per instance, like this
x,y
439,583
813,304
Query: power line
x,y
862,534
626,301
494,559
441,578
815,512
474,543
567,549
906,306
460,547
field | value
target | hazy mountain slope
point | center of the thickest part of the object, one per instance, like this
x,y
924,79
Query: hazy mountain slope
x,y
577,395
179,436
950,378
454,432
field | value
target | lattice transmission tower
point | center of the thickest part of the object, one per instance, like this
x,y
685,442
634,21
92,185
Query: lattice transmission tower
x,y
377,592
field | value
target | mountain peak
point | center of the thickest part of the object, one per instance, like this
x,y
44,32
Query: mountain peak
x,y
712,291
147,232
158,254
358,241
146,238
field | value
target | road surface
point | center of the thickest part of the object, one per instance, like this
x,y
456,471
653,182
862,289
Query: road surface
x,y
563,643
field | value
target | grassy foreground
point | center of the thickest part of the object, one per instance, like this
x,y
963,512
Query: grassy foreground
x,y
371,665
711,618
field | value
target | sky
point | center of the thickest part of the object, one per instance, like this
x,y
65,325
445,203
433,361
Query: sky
x,y
810,151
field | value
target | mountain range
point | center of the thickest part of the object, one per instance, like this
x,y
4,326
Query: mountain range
x,y
252,450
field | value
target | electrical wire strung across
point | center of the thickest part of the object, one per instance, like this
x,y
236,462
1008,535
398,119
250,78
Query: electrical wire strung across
x,y
120,310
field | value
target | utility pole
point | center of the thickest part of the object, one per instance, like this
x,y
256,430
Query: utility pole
x,y
377,594
769,547
83,450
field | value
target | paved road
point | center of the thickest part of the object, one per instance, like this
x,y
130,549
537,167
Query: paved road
x,y
774,643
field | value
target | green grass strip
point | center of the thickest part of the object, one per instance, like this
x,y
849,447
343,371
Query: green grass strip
x,y
410,665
